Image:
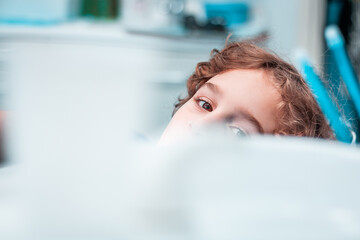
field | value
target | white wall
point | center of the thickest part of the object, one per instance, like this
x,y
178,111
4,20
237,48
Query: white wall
x,y
296,24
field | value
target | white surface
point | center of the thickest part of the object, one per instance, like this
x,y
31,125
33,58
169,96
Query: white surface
x,y
214,188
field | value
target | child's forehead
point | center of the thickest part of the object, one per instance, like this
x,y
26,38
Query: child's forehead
x,y
247,80
241,77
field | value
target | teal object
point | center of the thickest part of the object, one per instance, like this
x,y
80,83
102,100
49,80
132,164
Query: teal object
x,y
37,13
231,13
336,121
336,44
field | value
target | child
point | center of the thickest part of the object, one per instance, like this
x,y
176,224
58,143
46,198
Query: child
x,y
249,91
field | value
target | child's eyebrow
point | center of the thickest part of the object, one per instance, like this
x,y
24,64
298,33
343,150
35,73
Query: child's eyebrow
x,y
213,88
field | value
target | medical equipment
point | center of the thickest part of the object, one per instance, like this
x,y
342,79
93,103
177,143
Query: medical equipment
x,y
336,121
336,44
340,124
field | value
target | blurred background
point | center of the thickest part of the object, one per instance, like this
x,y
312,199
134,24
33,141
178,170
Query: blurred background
x,y
67,47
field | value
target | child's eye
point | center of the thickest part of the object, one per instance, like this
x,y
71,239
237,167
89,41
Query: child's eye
x,y
205,105
238,131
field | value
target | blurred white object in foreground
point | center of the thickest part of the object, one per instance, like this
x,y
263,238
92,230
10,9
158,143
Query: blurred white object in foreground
x,y
256,188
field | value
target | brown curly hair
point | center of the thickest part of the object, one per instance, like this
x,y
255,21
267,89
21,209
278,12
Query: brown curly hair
x,y
298,111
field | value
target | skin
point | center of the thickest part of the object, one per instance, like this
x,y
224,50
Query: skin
x,y
242,101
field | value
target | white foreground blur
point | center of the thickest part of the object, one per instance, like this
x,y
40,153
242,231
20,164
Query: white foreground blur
x,y
255,188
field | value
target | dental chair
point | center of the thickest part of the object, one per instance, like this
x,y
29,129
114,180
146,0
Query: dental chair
x,y
342,122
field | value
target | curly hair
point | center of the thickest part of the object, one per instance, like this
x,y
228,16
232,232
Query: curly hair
x,y
298,111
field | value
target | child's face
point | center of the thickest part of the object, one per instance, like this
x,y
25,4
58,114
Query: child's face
x,y
243,101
